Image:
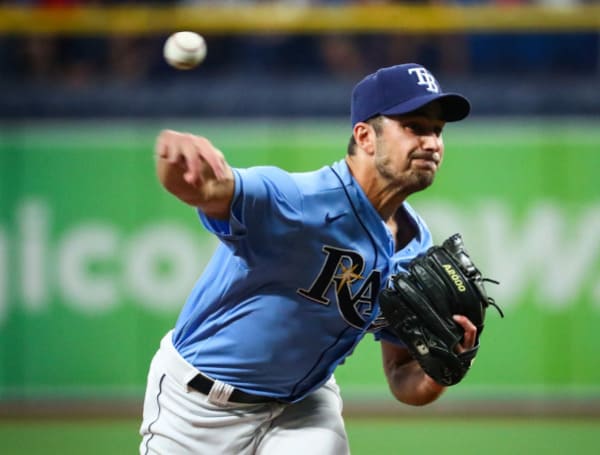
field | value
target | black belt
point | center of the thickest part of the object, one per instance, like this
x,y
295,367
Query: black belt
x,y
203,385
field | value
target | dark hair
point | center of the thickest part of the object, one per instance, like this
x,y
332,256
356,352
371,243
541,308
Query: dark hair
x,y
375,122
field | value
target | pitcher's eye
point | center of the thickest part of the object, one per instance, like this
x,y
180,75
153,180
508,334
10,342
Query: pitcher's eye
x,y
424,129
416,128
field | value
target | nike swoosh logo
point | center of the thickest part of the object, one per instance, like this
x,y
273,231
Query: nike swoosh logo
x,y
329,218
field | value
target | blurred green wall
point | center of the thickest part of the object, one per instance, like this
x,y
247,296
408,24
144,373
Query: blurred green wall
x,y
96,259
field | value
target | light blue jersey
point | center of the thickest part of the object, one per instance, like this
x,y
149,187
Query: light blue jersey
x,y
292,286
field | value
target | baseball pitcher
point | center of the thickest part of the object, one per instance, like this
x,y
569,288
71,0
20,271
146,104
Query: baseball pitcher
x,y
308,264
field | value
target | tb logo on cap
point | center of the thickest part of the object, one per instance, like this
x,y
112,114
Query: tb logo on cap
x,y
425,78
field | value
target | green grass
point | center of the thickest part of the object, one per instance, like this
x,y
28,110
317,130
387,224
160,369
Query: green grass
x,y
474,436
489,436
62,437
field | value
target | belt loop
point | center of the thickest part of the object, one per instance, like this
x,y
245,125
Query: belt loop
x,y
219,393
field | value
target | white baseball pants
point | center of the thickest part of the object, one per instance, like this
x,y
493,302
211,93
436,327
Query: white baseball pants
x,y
178,420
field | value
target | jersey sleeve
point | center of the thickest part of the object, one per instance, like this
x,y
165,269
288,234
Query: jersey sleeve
x,y
225,229
266,201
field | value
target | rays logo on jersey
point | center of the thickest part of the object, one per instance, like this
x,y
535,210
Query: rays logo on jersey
x,y
355,293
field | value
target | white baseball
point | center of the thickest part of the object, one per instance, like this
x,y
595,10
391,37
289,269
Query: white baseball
x,y
184,50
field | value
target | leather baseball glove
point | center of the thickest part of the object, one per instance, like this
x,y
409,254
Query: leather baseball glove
x,y
419,306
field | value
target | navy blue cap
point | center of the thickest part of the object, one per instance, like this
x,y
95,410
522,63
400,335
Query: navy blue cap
x,y
401,89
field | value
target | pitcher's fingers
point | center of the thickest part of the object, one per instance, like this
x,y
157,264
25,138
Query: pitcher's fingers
x,y
190,178
161,149
174,153
469,328
167,145
212,156
193,163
